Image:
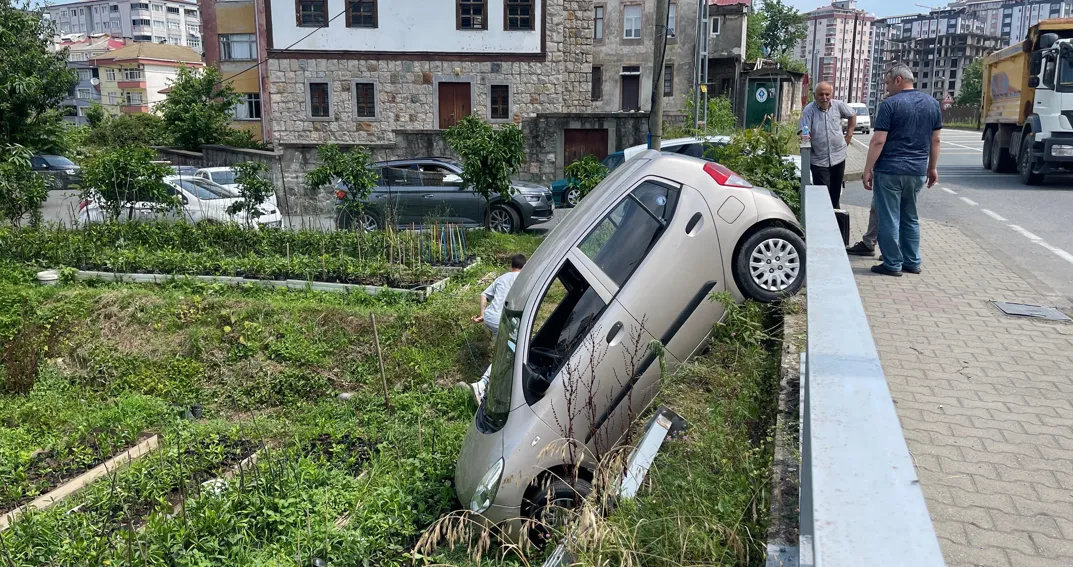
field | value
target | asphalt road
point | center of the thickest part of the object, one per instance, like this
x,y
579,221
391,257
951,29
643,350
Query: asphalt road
x,y
1030,229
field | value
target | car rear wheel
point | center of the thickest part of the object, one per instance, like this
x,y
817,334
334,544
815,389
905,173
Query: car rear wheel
x,y
770,264
989,140
1026,164
364,220
551,508
502,219
572,196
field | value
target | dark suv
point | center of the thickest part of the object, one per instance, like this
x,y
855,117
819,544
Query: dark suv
x,y
61,172
413,190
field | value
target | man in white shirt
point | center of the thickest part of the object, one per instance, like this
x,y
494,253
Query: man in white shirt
x,y
491,309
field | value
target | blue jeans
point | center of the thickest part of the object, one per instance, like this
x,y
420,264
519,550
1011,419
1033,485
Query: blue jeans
x,y
899,228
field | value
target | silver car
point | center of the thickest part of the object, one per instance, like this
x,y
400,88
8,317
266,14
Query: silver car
x,y
637,261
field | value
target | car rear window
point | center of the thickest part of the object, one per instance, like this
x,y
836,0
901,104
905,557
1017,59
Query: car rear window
x,y
204,190
223,177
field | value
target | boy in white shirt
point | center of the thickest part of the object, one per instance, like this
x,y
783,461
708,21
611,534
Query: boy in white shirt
x,y
492,300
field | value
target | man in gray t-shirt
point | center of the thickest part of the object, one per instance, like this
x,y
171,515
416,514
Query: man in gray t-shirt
x,y
829,145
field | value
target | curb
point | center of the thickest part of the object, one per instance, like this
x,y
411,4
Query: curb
x,y
854,176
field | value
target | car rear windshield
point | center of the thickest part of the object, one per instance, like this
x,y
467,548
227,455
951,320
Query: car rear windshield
x,y
59,161
223,177
204,190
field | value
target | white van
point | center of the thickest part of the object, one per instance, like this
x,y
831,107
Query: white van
x,y
864,120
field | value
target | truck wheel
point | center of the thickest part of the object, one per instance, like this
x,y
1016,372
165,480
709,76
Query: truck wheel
x,y
989,140
1025,163
1001,160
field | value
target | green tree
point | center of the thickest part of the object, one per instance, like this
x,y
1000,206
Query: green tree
x,y
95,115
758,155
354,168
253,188
584,175
129,130
117,178
972,84
490,156
22,192
198,108
786,61
754,31
783,27
33,79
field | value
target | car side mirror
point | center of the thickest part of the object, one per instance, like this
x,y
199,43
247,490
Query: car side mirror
x,y
1033,82
535,383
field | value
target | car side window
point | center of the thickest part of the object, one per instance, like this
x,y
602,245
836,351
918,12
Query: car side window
x,y
566,315
692,150
432,175
622,240
38,163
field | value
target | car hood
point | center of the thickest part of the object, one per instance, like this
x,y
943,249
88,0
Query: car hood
x,y
527,187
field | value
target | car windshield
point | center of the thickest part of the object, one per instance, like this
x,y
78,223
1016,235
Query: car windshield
x,y
614,160
501,380
204,190
862,110
1065,79
59,161
223,177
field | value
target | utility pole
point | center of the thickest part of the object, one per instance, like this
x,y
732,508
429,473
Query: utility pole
x,y
655,117
852,58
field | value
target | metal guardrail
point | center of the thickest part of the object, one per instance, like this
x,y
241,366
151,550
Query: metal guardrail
x,y
861,501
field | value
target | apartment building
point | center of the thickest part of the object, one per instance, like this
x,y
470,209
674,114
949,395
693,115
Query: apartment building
x,y
838,49
234,35
1011,19
172,22
132,78
939,62
81,52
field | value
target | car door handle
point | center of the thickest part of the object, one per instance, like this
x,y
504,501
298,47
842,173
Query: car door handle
x,y
429,196
614,332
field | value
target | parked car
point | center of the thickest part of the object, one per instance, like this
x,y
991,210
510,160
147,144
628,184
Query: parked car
x,y
184,170
637,261
219,175
200,200
864,120
61,172
565,197
413,190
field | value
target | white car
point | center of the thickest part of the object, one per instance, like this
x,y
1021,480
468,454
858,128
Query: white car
x,y
201,200
225,176
864,120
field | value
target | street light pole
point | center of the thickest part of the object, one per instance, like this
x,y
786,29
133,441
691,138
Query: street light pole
x,y
655,117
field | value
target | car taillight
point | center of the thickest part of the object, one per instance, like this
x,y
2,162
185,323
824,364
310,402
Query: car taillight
x,y
83,204
724,176
340,195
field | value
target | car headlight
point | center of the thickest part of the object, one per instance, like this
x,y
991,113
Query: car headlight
x,y
486,490
533,198
70,172
1062,150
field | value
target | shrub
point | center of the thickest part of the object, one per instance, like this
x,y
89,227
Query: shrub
x,y
585,174
758,155
22,192
253,188
117,179
129,130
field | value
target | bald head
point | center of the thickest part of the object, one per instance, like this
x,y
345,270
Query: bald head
x,y
823,93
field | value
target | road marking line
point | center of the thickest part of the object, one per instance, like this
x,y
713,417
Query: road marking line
x,y
993,215
863,145
981,150
951,191
1056,250
969,201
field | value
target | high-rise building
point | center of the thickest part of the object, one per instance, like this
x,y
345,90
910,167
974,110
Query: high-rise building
x,y
1010,19
173,22
837,49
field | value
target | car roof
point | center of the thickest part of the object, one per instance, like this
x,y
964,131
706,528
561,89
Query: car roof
x,y
214,169
632,151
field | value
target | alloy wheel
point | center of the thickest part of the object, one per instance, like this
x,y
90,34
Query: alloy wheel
x,y
500,220
774,264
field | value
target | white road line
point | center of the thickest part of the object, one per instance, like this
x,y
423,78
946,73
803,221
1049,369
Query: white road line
x,y
863,145
1056,250
981,150
993,215
951,191
969,201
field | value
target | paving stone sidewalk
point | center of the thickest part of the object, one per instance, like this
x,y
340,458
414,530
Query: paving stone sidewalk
x,y
985,400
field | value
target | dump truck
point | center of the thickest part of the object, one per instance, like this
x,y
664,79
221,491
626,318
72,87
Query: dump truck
x,y
1028,104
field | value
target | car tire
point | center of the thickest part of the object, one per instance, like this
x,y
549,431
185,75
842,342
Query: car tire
x,y
502,218
1025,163
369,220
571,197
989,140
557,494
770,264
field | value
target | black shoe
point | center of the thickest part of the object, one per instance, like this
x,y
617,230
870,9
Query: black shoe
x,y
911,269
861,249
881,269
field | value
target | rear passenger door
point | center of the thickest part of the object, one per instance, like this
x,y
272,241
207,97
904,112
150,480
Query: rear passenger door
x,y
399,198
445,198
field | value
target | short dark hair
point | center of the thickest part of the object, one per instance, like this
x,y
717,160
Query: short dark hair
x,y
517,261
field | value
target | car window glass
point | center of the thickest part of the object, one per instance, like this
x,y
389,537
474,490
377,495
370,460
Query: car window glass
x,y
1049,72
204,190
37,163
223,177
862,111
623,238
692,150
60,162
614,160
398,177
566,314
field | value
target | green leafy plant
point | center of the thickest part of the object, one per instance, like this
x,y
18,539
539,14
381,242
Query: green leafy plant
x,y
490,156
972,83
253,188
783,27
585,174
353,168
198,108
141,129
22,192
117,179
95,115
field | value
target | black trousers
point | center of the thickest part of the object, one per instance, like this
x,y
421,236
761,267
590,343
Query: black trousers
x,y
831,177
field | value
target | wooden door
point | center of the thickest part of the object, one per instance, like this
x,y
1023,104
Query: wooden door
x,y
454,103
631,92
581,142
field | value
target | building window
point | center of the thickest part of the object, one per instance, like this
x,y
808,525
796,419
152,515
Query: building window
x,y
143,38
133,75
139,6
472,14
84,75
597,83
158,8
312,13
134,98
716,24
173,26
174,40
364,99
598,27
173,11
159,39
499,102
668,80
238,46
248,107
672,16
191,13
631,22
109,75
113,98
318,100
141,22
518,14
83,93
193,42
361,14
114,8
158,24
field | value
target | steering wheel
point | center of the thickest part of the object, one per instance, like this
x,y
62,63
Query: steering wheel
x,y
547,353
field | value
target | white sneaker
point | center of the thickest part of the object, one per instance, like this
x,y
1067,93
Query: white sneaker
x,y
478,389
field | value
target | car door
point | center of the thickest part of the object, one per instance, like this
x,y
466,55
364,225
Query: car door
x,y
445,198
400,195
657,251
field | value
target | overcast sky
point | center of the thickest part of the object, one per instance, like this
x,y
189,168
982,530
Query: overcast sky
x,y
881,8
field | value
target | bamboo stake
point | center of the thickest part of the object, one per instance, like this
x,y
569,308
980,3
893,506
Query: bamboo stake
x,y
380,358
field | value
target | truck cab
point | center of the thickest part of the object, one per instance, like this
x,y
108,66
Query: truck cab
x,y
1028,104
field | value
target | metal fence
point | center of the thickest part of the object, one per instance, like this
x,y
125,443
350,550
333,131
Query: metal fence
x,y
861,502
